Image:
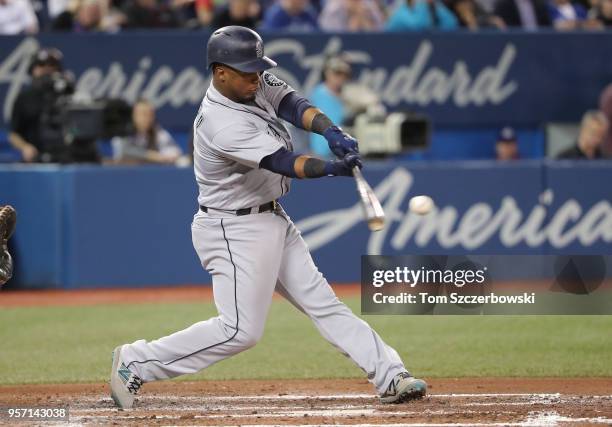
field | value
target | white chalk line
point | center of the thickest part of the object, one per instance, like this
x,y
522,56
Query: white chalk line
x,y
301,414
527,423
552,418
248,397
534,419
292,397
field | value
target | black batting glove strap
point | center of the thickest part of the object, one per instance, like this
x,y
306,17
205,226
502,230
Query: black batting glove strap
x,y
320,123
344,166
316,168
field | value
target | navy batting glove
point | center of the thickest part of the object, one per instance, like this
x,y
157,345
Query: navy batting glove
x,y
345,166
340,142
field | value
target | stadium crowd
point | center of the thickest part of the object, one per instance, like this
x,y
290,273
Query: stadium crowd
x,y
81,16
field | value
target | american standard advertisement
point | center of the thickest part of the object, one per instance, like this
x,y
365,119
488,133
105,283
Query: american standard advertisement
x,y
457,79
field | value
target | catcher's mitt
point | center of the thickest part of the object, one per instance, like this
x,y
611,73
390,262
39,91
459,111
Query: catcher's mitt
x,y
8,219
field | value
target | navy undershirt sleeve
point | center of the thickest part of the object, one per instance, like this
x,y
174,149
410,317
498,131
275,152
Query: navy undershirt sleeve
x,y
281,161
292,108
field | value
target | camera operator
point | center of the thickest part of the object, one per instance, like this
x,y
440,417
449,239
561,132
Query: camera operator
x,y
37,122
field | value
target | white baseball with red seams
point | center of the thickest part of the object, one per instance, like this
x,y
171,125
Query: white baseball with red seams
x,y
250,256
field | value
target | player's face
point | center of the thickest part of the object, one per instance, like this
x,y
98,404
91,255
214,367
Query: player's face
x,y
238,85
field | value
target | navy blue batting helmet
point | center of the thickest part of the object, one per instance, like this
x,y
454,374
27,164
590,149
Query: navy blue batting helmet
x,y
239,47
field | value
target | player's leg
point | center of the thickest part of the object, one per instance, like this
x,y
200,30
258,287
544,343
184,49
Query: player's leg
x,y
244,277
306,288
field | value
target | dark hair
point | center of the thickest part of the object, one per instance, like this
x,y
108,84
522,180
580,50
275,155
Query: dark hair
x,y
47,56
151,134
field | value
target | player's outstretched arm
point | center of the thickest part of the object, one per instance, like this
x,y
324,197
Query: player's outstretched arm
x,y
294,165
299,112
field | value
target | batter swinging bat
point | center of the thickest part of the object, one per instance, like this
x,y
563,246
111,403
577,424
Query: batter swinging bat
x,y
372,209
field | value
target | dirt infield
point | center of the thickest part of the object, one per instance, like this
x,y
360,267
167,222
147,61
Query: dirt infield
x,y
451,402
80,297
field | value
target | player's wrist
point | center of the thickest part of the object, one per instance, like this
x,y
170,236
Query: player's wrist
x,y
331,168
339,168
320,124
331,133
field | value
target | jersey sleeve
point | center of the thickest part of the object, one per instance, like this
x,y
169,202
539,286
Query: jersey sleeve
x,y
245,144
274,89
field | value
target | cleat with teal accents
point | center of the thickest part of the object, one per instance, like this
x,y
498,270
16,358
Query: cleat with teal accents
x,y
404,387
124,383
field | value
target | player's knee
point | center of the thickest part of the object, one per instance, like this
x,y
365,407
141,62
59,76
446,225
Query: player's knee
x,y
249,337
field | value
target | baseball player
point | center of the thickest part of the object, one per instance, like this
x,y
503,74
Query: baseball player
x,y
8,219
244,162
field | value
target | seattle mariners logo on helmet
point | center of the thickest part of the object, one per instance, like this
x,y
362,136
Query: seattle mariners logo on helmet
x,y
238,47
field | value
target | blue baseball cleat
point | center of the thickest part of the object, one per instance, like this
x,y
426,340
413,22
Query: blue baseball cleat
x,y
404,387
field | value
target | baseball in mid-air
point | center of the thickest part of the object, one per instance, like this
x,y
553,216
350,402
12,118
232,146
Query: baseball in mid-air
x,y
421,205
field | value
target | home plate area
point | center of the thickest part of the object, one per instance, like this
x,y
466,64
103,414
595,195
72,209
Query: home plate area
x,y
340,402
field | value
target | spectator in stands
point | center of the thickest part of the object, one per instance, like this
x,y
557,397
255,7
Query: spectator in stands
x,y
603,12
205,12
17,17
290,15
57,7
150,14
487,5
566,15
351,16
414,15
472,16
237,12
185,13
593,130
150,143
89,16
506,147
327,96
605,106
526,14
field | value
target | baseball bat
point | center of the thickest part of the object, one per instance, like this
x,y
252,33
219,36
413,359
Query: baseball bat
x,y
373,211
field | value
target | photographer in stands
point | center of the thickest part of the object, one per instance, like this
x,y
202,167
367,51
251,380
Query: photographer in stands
x,y
37,121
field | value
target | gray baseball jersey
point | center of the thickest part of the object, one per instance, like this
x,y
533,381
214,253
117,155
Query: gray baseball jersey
x,y
230,139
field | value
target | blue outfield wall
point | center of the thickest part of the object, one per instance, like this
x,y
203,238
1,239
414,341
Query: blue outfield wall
x,y
82,226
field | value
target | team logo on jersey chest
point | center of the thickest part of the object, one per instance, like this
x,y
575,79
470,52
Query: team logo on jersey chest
x,y
272,80
273,132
